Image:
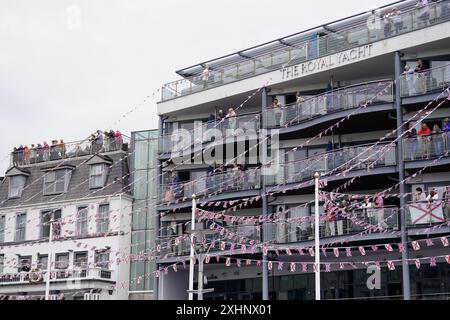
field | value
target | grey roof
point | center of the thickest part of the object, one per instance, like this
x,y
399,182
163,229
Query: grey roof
x,y
77,189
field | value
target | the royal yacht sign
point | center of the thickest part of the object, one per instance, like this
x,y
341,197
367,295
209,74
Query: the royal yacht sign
x,y
325,63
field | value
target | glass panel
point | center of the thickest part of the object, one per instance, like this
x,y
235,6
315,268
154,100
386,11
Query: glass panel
x,y
62,261
103,219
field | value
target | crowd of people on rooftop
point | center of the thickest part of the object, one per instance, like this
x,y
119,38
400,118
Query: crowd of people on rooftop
x,y
106,141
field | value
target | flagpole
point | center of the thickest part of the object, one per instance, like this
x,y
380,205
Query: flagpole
x,y
317,235
191,260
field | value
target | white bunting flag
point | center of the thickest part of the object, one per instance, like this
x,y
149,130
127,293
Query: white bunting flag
x,y
292,267
417,262
228,262
444,241
415,245
391,265
362,251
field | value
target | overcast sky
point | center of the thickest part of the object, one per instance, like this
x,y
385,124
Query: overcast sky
x,y
68,68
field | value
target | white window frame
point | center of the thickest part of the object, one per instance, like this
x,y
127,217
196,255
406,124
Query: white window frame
x,y
16,193
103,218
2,263
50,180
24,228
82,221
102,263
53,211
93,176
62,254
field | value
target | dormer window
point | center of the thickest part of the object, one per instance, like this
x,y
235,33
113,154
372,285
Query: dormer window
x,y
16,186
17,179
98,174
56,181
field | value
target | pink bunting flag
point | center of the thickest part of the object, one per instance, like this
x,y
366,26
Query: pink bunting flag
x,y
374,248
447,258
327,267
429,242
336,252
258,263
238,263
207,258
324,252
348,251
388,247
417,262
269,265
248,262
401,247
415,245
217,258
444,241
391,265
292,267
243,249
288,252
311,252
304,267
222,245
432,261
280,266
362,251
315,267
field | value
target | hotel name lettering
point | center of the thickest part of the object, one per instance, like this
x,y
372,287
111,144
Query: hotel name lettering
x,y
328,62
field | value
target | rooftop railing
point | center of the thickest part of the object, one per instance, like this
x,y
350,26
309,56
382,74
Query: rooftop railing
x,y
60,151
333,101
181,140
229,181
56,275
427,81
340,40
354,158
294,229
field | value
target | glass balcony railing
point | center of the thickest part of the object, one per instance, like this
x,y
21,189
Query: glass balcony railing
x,y
330,102
426,147
425,213
172,247
182,140
354,158
428,81
362,33
296,230
231,181
59,151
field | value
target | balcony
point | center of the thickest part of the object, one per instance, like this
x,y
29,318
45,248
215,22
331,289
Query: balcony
x,y
230,181
66,151
181,140
301,47
169,248
428,81
426,147
56,276
353,158
334,101
294,230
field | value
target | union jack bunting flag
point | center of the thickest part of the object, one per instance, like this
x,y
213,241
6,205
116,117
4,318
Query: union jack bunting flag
x,y
362,251
444,241
391,265
433,262
292,267
336,252
415,245
228,262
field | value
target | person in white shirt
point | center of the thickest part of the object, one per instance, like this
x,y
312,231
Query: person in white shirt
x,y
432,196
423,11
419,195
205,76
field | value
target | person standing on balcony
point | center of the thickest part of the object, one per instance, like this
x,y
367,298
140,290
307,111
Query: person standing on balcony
x,y
211,121
397,19
33,153
432,196
408,76
423,11
232,121
438,140
221,116
62,148
424,138
387,20
419,196
412,141
278,112
446,129
205,77
420,77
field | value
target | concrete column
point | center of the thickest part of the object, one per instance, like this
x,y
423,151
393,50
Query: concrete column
x,y
265,271
401,176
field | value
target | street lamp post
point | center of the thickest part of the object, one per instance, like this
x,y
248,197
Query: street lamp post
x,y
317,235
49,261
192,252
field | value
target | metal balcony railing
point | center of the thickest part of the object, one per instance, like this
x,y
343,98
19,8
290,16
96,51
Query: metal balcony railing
x,y
66,151
295,230
333,101
359,34
181,140
169,247
56,275
354,158
229,181
426,147
427,81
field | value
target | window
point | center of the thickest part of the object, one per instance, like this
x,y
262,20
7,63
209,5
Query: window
x,y
16,185
62,260
2,263
97,178
2,228
42,261
80,259
103,218
102,259
46,216
21,222
82,221
56,181
24,263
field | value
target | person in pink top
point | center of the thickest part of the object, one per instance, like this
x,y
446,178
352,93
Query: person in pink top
x,y
26,155
46,149
424,139
118,140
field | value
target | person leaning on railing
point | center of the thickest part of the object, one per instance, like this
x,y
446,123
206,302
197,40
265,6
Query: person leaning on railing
x,y
438,140
425,139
